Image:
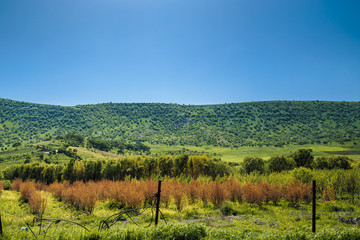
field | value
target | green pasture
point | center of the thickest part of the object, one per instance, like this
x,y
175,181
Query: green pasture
x,y
19,154
238,154
193,221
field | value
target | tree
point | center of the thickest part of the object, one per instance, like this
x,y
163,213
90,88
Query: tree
x,y
68,172
251,164
303,158
17,144
278,164
339,162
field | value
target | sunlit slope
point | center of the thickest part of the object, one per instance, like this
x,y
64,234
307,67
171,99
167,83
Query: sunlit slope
x,y
226,125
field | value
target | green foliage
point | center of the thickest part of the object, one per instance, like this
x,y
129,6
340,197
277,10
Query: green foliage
x,y
228,125
303,158
178,232
68,172
251,164
73,139
280,163
6,184
120,169
305,175
333,162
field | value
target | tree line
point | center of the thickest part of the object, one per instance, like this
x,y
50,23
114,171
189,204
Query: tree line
x,y
300,158
120,169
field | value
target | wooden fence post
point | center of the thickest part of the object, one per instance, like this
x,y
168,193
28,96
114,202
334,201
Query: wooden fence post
x,y
157,204
314,207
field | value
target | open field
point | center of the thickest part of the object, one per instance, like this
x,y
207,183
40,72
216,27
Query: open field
x,y
30,151
238,154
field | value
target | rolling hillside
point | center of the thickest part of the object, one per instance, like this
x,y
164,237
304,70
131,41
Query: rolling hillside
x,y
229,125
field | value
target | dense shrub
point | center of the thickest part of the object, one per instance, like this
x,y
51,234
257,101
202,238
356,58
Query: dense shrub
x,y
333,162
302,174
16,185
30,195
251,164
279,163
329,194
234,190
296,192
253,194
217,193
26,190
303,158
37,203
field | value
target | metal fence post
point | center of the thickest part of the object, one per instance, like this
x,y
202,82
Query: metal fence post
x,y
157,204
314,207
1,231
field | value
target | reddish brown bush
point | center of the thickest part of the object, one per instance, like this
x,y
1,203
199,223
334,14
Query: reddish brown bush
x,y
297,192
275,193
26,190
37,203
234,190
193,191
1,187
217,193
41,186
16,185
253,194
204,193
165,193
57,189
178,193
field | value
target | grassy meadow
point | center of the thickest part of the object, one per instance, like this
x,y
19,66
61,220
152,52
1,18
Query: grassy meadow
x,y
194,220
238,154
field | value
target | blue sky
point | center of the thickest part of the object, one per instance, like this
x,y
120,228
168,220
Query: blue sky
x,y
69,52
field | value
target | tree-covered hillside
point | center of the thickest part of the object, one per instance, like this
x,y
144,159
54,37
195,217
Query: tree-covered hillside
x,y
239,124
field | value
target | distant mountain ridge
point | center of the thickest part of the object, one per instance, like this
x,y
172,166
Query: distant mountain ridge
x,y
274,123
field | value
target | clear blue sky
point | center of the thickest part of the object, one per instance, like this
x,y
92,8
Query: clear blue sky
x,y
69,52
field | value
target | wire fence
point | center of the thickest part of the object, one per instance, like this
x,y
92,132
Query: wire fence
x,y
130,215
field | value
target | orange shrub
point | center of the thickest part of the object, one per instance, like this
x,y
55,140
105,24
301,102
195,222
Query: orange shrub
x,y
253,194
193,191
57,189
149,188
297,192
204,193
217,193
16,185
26,190
165,193
41,186
234,190
37,203
178,192
1,187
275,193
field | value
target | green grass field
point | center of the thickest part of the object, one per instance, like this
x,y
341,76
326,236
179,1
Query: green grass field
x,y
18,155
238,154
243,221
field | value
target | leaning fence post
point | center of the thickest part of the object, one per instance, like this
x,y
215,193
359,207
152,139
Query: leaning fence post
x,y
157,203
314,207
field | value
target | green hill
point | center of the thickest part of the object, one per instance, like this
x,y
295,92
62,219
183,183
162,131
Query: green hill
x,y
229,125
